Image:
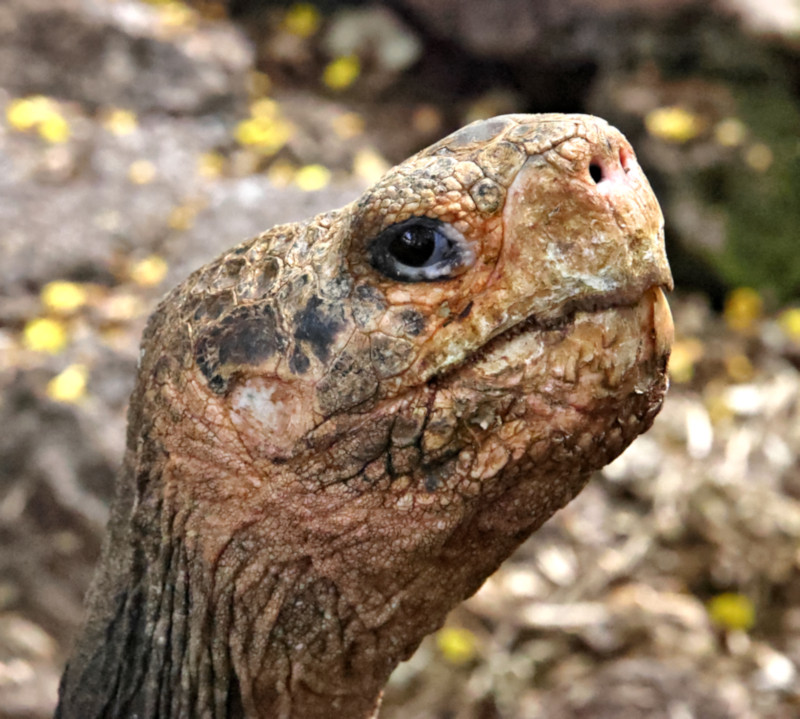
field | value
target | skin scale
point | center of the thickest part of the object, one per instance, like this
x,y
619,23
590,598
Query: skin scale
x,y
322,460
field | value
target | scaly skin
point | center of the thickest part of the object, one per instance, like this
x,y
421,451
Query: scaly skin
x,y
322,460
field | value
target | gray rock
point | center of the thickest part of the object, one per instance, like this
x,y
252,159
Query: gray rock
x,y
120,53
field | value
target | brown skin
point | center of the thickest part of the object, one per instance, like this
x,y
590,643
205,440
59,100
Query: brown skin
x,y
323,460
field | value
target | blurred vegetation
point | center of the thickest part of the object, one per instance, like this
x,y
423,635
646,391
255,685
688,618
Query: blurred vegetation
x,y
752,178
761,192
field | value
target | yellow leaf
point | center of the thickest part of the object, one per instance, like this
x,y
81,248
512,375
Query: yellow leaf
x,y
302,19
739,367
717,406
264,107
55,129
730,132
342,72
312,177
789,321
732,611
44,334
120,122
39,113
149,271
369,165
25,113
211,165
262,133
142,172
70,385
176,15
458,646
63,297
759,157
674,124
685,354
247,132
743,308
182,217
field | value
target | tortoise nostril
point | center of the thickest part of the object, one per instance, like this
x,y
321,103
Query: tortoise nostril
x,y
596,172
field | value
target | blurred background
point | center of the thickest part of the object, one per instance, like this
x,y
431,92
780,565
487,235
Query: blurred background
x,y
139,139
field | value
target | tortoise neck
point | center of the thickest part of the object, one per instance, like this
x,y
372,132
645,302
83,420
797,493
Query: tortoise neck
x,y
144,649
169,635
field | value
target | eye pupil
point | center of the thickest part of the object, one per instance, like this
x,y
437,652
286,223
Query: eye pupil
x,y
420,249
414,247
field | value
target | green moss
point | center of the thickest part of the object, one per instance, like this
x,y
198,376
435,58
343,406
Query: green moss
x,y
759,204
762,206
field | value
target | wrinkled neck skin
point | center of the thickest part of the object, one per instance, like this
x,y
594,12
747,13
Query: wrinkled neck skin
x,y
321,462
285,614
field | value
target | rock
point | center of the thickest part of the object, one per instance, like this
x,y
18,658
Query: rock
x,y
102,208
121,53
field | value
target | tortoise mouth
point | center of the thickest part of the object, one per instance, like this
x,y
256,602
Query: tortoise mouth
x,y
588,305
639,317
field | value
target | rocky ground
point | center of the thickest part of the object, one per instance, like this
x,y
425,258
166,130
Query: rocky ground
x,y
149,137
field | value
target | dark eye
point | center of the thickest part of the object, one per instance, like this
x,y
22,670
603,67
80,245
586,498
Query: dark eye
x,y
420,249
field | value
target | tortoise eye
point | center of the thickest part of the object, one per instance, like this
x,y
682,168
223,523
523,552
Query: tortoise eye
x,y
420,249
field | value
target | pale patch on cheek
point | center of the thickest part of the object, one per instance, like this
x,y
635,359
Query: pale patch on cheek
x,y
270,415
258,402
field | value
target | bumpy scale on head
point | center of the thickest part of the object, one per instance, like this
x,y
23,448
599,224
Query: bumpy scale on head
x,y
357,418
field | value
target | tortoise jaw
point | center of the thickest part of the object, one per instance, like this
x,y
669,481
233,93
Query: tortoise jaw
x,y
600,330
561,317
